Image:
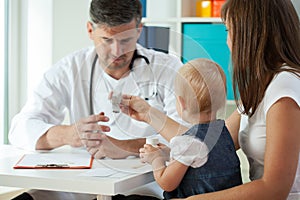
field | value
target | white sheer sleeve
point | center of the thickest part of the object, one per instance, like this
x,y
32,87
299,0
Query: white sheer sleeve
x,y
188,150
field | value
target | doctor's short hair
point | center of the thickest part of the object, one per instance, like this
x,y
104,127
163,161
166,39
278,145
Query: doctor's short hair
x,y
115,12
202,85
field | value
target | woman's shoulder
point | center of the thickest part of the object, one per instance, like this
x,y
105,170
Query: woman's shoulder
x,y
285,80
284,84
287,75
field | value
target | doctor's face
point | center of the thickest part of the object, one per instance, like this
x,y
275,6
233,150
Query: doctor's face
x,y
115,45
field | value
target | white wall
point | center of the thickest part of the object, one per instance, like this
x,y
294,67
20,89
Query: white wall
x,y
17,68
55,28
69,26
44,32
297,5
41,32
2,9
39,40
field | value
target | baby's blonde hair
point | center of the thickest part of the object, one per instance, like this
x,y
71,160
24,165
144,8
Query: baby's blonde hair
x,y
202,84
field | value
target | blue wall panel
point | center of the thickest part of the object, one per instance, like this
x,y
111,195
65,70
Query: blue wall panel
x,y
144,8
207,40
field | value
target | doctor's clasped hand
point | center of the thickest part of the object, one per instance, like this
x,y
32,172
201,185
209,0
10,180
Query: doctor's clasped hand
x,y
91,134
99,145
76,135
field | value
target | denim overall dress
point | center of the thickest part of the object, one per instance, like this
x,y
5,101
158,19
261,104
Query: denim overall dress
x,y
222,169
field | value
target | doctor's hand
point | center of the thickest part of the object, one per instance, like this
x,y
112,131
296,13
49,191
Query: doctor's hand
x,y
110,147
87,128
74,135
136,107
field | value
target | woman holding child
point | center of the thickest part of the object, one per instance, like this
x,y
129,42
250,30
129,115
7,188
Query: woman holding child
x,y
264,38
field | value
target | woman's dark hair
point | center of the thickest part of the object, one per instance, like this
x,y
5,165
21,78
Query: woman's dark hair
x,y
115,12
265,34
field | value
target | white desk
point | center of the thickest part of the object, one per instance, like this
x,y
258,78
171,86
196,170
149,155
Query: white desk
x,y
68,180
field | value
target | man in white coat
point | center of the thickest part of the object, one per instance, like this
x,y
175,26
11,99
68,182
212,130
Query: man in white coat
x,y
81,83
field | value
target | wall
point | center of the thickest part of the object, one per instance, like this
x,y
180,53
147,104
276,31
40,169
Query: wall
x,y
69,27
39,40
2,69
41,32
297,5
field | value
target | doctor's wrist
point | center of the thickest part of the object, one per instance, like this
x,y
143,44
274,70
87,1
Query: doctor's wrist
x,y
72,137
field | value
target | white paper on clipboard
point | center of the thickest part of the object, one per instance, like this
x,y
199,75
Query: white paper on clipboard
x,y
55,160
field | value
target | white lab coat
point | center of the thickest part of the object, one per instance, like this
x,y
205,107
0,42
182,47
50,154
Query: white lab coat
x,y
66,86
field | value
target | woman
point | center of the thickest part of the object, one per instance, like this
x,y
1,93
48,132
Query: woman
x,y
264,39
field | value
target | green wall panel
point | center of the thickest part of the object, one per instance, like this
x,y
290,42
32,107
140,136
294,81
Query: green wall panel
x,y
208,40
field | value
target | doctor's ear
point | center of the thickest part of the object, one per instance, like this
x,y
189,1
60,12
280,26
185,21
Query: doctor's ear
x,y
90,29
140,29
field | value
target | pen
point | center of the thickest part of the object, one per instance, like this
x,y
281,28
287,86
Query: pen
x,y
52,165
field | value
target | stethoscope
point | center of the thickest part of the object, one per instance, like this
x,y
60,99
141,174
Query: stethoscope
x,y
135,56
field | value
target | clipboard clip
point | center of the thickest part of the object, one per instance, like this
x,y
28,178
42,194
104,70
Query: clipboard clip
x,y
53,165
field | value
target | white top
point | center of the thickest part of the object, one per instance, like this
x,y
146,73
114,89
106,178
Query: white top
x,y
185,149
65,87
252,136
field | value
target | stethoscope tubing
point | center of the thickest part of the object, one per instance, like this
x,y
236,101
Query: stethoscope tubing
x,y
91,84
135,56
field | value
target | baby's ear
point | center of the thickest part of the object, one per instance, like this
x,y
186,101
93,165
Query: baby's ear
x,y
181,102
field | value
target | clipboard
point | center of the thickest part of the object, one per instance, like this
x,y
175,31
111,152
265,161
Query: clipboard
x,y
55,161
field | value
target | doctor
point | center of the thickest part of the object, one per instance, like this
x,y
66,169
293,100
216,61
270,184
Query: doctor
x,y
81,82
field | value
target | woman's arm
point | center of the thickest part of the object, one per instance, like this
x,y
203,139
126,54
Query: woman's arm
x,y
281,158
233,125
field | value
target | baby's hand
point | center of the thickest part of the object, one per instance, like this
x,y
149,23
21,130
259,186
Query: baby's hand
x,y
149,153
136,108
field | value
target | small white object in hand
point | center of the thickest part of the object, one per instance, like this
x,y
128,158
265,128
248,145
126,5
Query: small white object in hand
x,y
153,141
115,101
